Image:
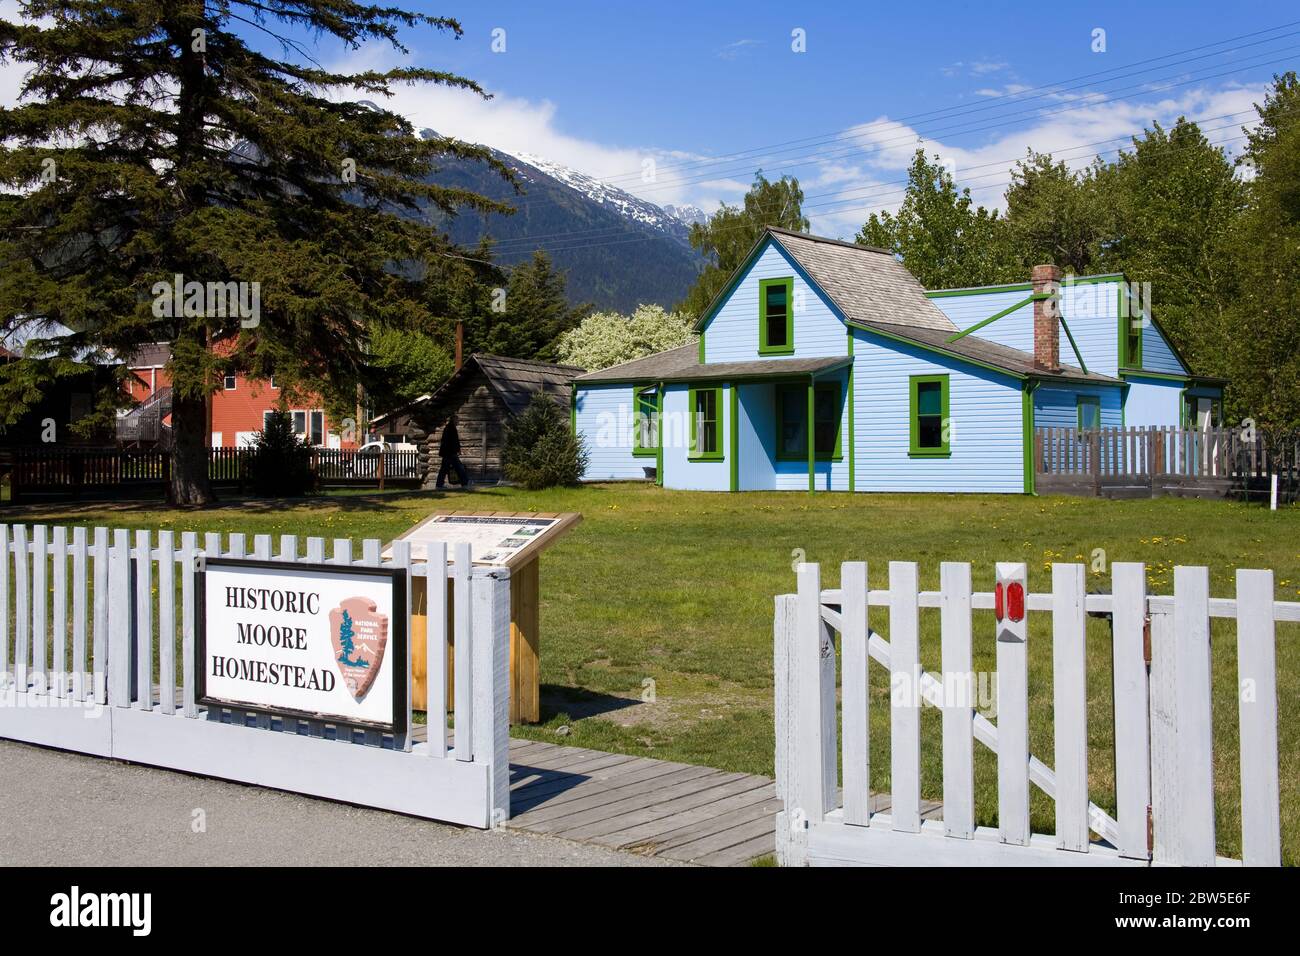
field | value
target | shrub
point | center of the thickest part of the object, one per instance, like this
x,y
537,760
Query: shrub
x,y
540,451
279,464
604,339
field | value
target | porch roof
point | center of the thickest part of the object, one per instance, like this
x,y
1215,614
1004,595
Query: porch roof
x,y
683,365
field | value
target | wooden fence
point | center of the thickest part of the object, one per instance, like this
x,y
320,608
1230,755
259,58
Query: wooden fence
x,y
78,671
46,473
1163,732
1133,462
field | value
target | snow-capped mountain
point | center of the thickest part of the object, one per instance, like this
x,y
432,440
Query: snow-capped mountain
x,y
669,218
618,250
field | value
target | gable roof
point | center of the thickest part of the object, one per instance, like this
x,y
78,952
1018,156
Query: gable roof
x,y
514,381
682,364
868,285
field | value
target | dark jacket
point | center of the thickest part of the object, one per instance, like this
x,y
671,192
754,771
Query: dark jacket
x,y
449,445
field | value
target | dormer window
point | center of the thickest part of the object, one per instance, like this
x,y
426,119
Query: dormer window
x,y
776,317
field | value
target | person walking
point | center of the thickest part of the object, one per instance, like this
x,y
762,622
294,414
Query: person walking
x,y
449,452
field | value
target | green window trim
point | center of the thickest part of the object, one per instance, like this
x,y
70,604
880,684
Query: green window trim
x,y
780,348
831,396
1083,402
1130,346
645,403
697,397
915,414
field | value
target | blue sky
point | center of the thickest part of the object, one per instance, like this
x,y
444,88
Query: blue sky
x,y
655,97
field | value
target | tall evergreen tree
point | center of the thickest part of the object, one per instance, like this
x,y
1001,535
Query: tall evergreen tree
x,y
732,231
943,238
534,312
155,141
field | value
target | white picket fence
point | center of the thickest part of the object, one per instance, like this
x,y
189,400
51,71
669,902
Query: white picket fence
x,y
1163,735
77,671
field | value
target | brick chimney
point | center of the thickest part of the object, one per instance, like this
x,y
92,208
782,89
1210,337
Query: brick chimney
x,y
1047,325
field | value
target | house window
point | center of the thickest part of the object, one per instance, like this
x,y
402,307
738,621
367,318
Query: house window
x,y
300,423
229,383
1130,330
706,430
646,439
776,317
929,416
273,385
1089,413
317,428
792,418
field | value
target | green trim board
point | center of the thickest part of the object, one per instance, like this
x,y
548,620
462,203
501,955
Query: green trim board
x,y
734,432
659,450
811,431
643,407
1143,373
927,402
573,409
1019,286
1027,437
705,404
1088,410
765,302
966,360
1074,345
830,396
853,426
993,318
702,362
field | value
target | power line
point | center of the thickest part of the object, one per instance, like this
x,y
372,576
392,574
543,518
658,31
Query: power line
x,y
1142,89
1016,98
860,206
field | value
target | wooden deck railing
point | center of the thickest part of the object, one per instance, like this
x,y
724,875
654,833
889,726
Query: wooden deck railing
x,y
1161,460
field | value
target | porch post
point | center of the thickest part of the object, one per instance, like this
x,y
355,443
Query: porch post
x,y
812,457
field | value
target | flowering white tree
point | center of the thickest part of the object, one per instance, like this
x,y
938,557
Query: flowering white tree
x,y
603,339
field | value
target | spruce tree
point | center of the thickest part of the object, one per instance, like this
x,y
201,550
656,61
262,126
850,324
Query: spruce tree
x,y
157,138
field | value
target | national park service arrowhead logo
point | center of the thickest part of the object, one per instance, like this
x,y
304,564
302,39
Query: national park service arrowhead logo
x,y
359,634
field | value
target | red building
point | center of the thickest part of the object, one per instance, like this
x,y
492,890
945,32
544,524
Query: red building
x,y
237,410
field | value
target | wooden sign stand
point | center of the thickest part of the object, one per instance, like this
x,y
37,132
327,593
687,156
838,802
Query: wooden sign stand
x,y
525,618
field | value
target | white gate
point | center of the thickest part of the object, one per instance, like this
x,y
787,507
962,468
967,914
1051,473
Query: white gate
x,y
77,672
1164,771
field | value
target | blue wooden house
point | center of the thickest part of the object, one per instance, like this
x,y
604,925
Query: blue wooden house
x,y
824,365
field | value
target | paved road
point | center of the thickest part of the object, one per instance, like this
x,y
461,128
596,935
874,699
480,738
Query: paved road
x,y
68,809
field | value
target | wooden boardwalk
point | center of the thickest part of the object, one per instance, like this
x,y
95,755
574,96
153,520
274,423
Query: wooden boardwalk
x,y
657,807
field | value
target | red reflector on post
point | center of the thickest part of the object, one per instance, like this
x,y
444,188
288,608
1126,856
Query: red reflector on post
x,y
997,601
1016,601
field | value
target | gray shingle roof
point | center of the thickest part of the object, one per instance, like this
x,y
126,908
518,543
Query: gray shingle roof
x,y
992,353
682,365
867,284
515,381
874,291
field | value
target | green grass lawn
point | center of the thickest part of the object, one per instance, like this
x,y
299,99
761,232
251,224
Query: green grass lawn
x,y
657,610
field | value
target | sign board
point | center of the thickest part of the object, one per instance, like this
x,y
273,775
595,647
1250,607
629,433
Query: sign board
x,y
306,641
508,540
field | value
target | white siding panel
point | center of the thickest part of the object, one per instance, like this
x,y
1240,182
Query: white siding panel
x,y
732,334
1157,356
984,406
1015,330
1059,407
1152,402
679,470
605,420
1091,309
